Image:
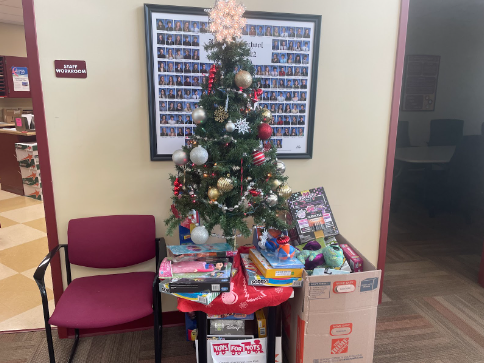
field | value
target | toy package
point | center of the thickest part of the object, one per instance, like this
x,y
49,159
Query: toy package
x,y
355,261
312,213
186,227
203,268
233,316
227,327
191,326
288,269
203,297
206,250
255,278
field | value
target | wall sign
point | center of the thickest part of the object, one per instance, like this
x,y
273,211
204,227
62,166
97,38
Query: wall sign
x,y
420,82
70,69
20,76
285,51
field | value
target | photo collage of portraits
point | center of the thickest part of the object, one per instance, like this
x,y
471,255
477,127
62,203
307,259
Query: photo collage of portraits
x,y
281,54
180,74
285,79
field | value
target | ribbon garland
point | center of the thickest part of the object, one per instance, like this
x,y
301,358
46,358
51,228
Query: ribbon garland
x,y
211,77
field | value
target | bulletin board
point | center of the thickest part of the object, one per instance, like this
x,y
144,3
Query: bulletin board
x,y
285,52
420,82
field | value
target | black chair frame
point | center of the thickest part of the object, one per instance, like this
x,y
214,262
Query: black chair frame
x,y
39,275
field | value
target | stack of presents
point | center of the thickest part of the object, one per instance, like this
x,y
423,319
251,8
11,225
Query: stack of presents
x,y
28,160
331,316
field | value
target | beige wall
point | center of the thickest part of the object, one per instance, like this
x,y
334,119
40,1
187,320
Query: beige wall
x,y
12,43
98,127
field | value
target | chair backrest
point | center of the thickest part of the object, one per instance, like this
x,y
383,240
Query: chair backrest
x,y
403,138
445,132
465,163
111,241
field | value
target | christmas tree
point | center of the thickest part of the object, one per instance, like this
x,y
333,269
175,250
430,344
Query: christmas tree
x,y
225,173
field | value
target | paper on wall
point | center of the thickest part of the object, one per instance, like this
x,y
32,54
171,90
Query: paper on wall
x,y
238,351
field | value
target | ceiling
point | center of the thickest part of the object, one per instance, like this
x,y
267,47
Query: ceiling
x,y
11,11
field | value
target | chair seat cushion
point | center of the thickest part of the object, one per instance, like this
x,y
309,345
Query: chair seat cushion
x,y
105,300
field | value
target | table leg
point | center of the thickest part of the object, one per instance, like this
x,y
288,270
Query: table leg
x,y
271,334
202,336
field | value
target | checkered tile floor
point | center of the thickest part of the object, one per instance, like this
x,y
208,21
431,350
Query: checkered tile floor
x,y
23,244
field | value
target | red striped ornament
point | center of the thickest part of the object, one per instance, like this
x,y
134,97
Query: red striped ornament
x,y
258,157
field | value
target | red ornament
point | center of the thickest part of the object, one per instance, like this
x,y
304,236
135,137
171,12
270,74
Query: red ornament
x,y
257,94
211,77
254,193
282,240
264,131
258,157
176,187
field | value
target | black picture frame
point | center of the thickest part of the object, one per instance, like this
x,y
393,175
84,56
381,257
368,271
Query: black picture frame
x,y
149,9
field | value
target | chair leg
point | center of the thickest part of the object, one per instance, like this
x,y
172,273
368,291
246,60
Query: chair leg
x,y
157,322
74,347
50,343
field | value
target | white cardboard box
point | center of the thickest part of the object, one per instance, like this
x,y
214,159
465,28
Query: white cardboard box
x,y
33,191
30,176
27,155
332,318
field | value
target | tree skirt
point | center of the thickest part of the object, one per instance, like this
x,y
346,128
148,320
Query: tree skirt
x,y
242,298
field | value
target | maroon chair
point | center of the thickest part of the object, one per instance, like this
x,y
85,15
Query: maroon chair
x,y
106,300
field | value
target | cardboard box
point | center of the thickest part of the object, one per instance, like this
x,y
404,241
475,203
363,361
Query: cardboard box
x,y
33,191
27,155
332,318
227,327
268,271
9,114
261,323
30,176
255,278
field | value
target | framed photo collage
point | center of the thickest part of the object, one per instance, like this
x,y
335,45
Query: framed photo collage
x,y
285,51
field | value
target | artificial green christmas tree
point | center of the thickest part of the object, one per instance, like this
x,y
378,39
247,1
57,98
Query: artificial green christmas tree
x,y
225,173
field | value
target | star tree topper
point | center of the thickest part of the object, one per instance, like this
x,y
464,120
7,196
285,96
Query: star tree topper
x,y
226,21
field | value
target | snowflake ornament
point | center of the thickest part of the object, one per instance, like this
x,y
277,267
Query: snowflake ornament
x,y
242,126
226,21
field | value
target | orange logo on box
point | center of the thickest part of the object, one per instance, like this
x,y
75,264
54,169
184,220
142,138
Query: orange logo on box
x,y
339,346
343,287
340,329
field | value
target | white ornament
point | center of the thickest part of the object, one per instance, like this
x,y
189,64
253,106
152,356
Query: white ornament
x,y
199,155
242,126
179,157
263,239
199,235
230,126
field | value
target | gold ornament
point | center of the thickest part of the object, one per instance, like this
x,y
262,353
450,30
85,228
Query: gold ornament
x,y
275,183
243,79
284,191
225,185
220,114
213,194
266,115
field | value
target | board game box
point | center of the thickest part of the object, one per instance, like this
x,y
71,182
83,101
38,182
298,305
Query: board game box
x,y
311,212
255,278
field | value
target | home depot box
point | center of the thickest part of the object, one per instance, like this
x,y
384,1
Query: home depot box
x,y
332,318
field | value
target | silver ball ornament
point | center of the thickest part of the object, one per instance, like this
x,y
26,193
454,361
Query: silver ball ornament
x,y
199,235
179,157
271,199
199,115
199,155
280,167
230,126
